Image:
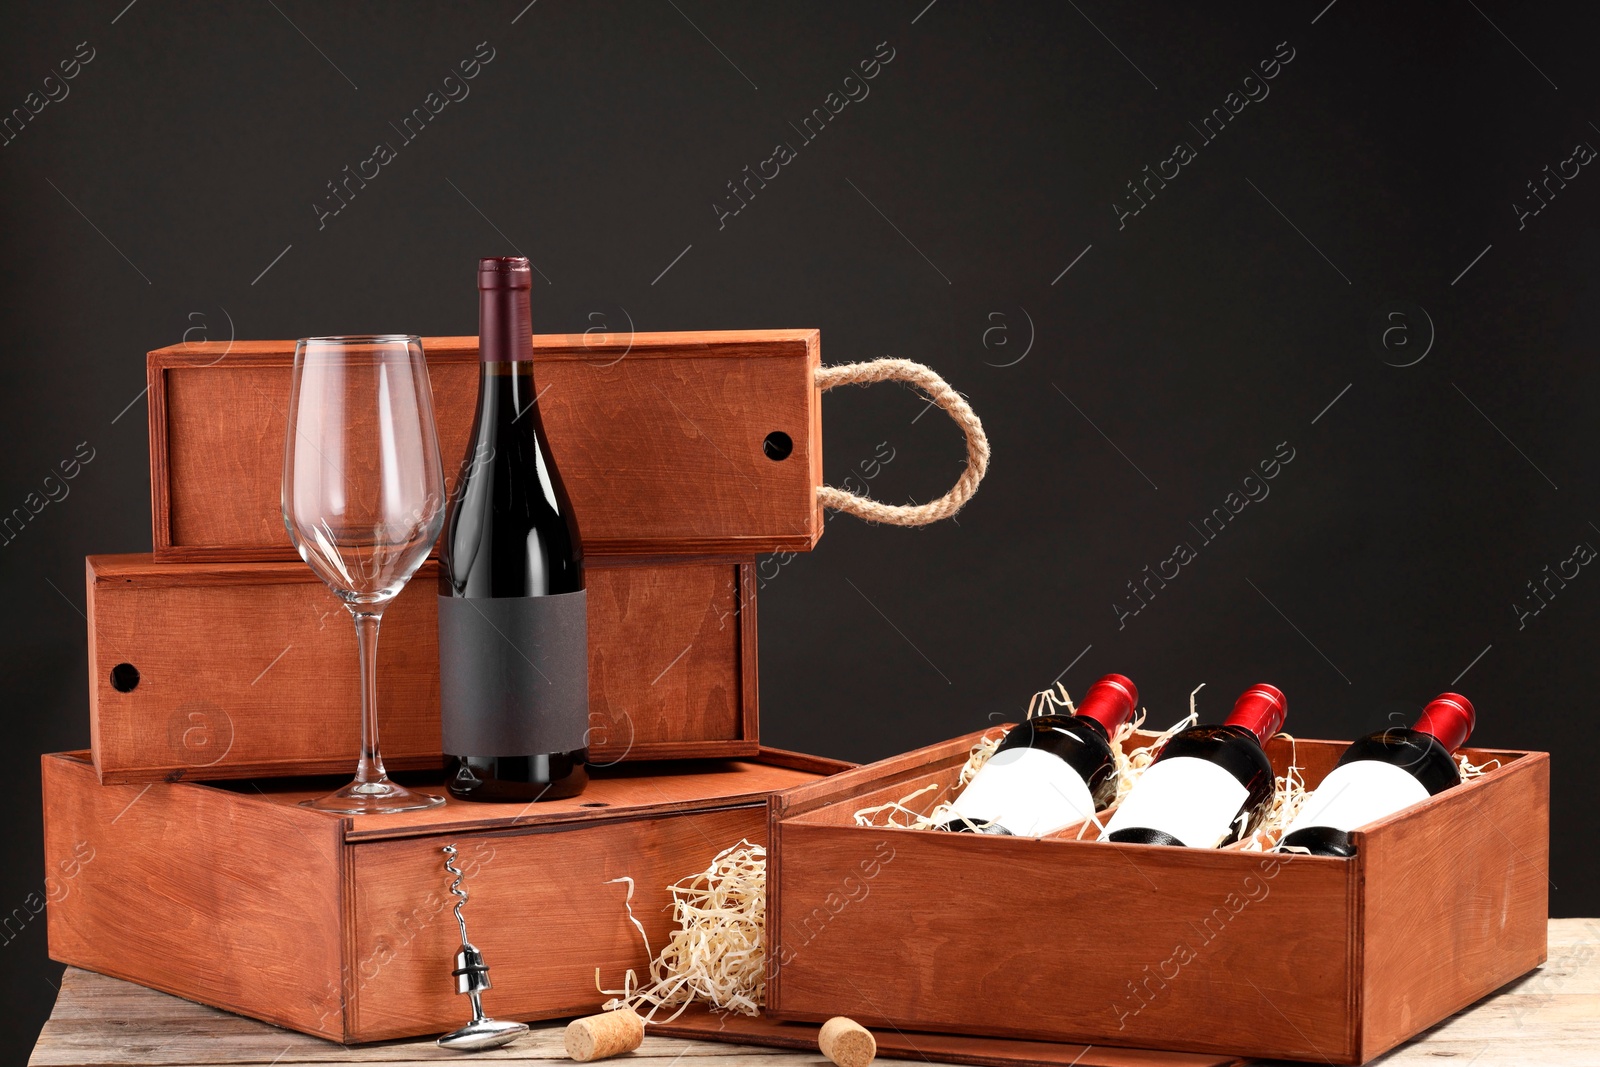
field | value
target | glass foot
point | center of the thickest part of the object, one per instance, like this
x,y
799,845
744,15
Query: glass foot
x,y
374,798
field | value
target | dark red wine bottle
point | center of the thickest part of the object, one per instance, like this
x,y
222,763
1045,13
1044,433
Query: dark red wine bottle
x,y
513,613
1209,785
1050,771
1381,774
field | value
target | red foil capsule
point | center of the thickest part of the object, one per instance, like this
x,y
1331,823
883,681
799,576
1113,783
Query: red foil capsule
x,y
1110,702
1260,709
1449,717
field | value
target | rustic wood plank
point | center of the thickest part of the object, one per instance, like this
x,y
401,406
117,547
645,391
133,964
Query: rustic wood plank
x,y
1551,1017
700,1022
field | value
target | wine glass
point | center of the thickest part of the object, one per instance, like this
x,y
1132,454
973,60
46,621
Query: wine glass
x,y
363,501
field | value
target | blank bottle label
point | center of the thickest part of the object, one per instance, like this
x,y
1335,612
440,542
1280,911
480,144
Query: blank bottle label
x,y
1027,791
1359,793
514,674
1192,799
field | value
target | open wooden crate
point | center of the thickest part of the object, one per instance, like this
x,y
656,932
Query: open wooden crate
x,y
233,895
1200,950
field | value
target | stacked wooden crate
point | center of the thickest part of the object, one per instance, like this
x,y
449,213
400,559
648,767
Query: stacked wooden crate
x,y
220,668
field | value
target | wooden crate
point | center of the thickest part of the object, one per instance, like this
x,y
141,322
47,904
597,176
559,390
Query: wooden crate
x,y
1219,950
659,437
250,668
236,896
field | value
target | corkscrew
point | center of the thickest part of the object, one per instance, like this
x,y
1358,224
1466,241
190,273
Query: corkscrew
x,y
472,978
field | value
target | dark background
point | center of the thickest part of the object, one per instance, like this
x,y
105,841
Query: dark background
x,y
1223,319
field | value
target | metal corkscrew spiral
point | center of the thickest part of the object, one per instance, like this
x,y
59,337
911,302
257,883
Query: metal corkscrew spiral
x,y
456,891
472,978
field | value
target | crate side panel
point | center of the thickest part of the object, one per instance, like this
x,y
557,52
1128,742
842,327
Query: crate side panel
x,y
1155,948
239,678
197,892
545,910
664,657
1456,901
249,669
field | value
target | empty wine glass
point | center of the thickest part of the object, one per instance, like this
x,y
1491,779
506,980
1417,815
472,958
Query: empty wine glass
x,y
363,501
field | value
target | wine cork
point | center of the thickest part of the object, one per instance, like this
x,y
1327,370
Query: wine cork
x,y
846,1042
607,1034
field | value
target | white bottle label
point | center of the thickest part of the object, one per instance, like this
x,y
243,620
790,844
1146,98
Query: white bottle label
x,y
1191,799
1027,791
1357,794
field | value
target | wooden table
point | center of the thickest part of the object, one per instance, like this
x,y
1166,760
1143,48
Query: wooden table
x,y
1551,1018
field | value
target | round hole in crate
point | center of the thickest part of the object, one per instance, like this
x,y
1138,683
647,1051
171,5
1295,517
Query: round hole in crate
x,y
777,445
124,677
595,804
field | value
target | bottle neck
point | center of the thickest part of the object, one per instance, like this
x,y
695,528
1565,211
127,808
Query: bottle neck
x,y
1109,703
505,326
1261,710
1449,718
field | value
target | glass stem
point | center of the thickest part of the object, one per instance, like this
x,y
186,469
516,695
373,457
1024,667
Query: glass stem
x,y
370,768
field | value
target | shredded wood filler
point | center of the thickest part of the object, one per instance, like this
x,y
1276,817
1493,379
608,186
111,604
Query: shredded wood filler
x,y
717,953
1470,770
1291,793
901,814
1134,762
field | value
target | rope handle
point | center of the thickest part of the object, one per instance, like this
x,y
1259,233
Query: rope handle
x,y
940,393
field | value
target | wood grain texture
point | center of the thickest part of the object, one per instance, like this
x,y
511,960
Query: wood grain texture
x,y
235,895
658,437
1551,1017
1146,947
545,911
749,665
1454,900
249,668
627,791
169,887
1223,951
819,765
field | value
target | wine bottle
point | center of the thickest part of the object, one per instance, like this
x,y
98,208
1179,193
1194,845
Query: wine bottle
x,y
1210,785
1381,774
513,613
1049,771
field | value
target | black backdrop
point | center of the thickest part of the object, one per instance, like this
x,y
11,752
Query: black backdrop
x,y
1340,272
